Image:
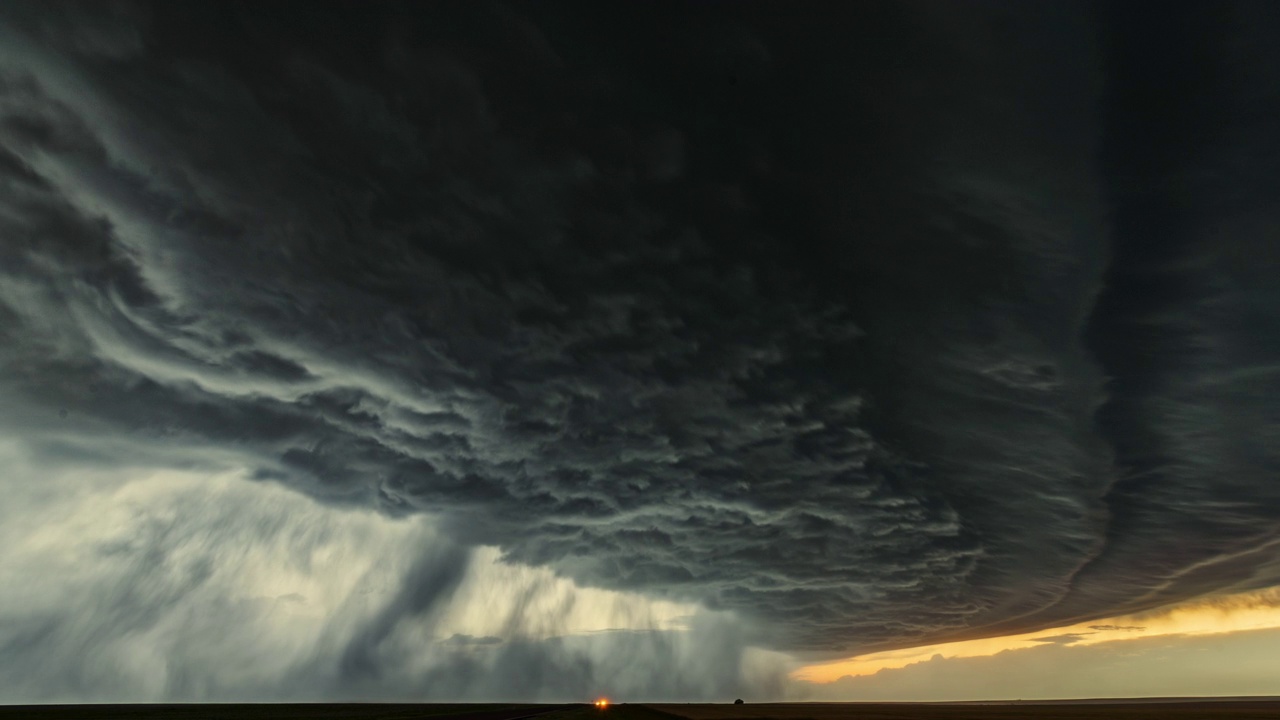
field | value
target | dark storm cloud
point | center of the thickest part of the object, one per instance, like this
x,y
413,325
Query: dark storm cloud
x,y
703,663
427,586
780,314
1132,628
1063,639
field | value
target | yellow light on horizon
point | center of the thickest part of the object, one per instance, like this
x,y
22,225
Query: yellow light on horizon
x,y
602,703
1233,613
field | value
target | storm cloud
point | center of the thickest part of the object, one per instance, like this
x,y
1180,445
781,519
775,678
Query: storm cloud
x,y
155,585
908,323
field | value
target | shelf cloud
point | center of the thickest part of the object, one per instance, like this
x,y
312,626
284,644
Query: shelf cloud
x,y
858,332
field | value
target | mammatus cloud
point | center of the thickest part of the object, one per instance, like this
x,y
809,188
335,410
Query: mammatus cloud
x,y
866,359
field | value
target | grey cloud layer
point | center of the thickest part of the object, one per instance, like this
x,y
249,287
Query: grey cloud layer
x,y
757,323
153,585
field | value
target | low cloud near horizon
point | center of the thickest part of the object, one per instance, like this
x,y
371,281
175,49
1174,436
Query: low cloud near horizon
x,y
1235,664
170,586
697,348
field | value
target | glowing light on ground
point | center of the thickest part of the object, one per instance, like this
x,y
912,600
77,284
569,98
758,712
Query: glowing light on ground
x,y
602,703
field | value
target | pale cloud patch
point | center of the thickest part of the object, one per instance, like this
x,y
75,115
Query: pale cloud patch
x,y
148,583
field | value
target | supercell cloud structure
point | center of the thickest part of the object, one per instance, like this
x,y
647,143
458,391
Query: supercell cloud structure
x,y
905,324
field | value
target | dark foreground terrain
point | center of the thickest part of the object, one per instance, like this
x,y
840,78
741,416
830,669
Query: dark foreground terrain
x,y
292,711
1227,709
1172,709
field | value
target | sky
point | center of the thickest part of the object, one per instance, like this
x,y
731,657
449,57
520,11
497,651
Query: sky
x,y
668,351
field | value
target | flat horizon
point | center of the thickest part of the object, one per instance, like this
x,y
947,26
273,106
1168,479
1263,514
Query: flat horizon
x,y
651,702
918,352
1242,708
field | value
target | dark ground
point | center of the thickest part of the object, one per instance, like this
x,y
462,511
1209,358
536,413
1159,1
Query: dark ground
x,y
288,711
1226,709
1172,709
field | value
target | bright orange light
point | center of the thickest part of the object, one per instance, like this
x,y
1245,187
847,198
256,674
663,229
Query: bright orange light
x,y
602,703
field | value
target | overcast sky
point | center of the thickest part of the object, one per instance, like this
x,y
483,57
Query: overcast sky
x,y
535,350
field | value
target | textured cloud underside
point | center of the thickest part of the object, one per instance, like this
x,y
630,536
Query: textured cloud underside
x,y
817,332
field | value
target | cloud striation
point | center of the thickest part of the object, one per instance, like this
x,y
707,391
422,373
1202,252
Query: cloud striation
x,y
877,328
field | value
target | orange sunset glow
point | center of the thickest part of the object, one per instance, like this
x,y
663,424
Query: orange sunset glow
x,y
1246,611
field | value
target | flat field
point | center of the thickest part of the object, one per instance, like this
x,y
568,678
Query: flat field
x,y
1232,709
284,711
1164,709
